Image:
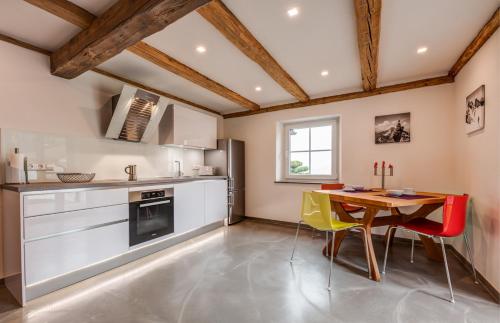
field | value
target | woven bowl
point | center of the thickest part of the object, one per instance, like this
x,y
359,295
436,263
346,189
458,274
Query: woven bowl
x,y
75,177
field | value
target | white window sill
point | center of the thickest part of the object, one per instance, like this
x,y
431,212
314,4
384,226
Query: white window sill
x,y
306,181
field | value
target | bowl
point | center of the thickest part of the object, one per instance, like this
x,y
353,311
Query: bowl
x,y
75,177
409,191
358,187
395,192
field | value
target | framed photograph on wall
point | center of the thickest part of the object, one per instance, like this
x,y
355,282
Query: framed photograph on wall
x,y
392,128
474,111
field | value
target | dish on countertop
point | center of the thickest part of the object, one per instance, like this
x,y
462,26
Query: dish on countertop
x,y
395,192
75,177
353,188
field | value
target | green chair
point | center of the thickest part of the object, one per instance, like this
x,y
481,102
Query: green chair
x,y
316,212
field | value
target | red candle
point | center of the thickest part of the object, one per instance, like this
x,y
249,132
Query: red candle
x,y
375,165
383,164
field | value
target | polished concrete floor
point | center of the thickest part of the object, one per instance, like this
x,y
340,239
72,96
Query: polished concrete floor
x,y
242,274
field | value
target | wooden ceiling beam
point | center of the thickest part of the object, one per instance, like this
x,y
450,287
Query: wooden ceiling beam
x,y
368,30
46,52
230,27
484,34
172,65
349,96
74,14
125,23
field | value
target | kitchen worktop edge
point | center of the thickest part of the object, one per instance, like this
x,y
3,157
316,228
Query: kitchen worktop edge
x,y
50,186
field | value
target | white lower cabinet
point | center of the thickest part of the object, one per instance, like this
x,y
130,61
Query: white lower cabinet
x,y
50,257
52,224
215,201
189,206
199,203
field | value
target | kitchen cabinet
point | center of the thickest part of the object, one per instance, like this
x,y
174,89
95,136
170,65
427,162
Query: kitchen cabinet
x,y
199,203
189,206
95,229
50,257
69,200
183,126
215,201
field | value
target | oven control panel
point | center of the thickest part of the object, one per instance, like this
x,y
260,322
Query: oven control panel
x,y
137,196
152,195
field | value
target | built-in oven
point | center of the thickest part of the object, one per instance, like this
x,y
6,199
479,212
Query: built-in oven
x,y
151,214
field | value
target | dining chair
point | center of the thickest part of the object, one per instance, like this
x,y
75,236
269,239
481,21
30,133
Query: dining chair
x,y
454,216
350,208
316,213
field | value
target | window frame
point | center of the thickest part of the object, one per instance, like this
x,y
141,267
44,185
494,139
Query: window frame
x,y
335,153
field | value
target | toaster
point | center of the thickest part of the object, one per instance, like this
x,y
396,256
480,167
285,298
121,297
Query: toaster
x,y
206,170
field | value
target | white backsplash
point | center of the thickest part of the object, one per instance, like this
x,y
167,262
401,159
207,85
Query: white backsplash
x,y
105,157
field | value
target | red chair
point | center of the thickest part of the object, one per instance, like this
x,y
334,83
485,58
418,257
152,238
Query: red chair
x,y
347,207
454,216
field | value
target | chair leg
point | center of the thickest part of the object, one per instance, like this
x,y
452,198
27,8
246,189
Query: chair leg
x,y
452,299
412,246
387,247
330,274
367,253
471,259
295,242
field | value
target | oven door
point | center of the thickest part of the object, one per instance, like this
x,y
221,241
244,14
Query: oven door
x,y
150,219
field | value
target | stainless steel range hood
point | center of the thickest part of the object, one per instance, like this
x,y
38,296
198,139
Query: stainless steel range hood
x,y
136,114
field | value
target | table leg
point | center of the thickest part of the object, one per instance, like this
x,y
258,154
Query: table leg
x,y
431,249
339,237
368,217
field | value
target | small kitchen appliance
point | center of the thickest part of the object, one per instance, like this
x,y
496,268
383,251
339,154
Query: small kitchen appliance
x,y
131,171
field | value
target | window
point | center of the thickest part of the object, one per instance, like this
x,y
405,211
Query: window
x,y
310,149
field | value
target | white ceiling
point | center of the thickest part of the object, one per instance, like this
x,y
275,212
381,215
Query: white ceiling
x,y
321,37
28,23
446,27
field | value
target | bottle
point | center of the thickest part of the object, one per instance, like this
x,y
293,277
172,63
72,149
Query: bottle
x,y
15,167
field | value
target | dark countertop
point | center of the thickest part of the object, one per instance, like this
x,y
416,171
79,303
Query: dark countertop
x,y
49,186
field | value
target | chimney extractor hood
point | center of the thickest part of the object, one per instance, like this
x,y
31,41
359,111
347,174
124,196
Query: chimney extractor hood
x,y
136,114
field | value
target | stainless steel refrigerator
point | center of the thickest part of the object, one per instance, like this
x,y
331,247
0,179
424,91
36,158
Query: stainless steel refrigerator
x,y
229,160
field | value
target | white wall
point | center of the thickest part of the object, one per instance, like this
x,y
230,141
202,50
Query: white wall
x,y
52,109
424,163
477,158
440,157
68,114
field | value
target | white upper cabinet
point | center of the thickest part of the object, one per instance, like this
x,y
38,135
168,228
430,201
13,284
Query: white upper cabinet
x,y
186,127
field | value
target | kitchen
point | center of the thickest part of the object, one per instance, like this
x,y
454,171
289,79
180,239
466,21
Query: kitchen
x,y
136,163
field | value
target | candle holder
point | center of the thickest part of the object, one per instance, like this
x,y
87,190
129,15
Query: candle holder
x,y
383,172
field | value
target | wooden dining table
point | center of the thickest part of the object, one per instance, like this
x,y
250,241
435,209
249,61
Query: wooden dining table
x,y
377,200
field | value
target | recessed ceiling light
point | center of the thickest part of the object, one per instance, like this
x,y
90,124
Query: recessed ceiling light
x,y
201,49
258,88
293,12
324,73
421,50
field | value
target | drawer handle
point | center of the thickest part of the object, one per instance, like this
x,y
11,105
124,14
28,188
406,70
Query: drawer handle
x,y
78,230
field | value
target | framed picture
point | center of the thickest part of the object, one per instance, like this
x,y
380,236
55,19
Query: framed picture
x,y
474,111
392,128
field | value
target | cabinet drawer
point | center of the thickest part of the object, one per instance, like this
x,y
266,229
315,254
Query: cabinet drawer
x,y
51,224
63,201
47,258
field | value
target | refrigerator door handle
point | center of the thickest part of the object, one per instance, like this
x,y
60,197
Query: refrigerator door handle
x,y
230,199
230,183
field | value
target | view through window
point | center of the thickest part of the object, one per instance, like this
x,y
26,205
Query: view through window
x,y
311,149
